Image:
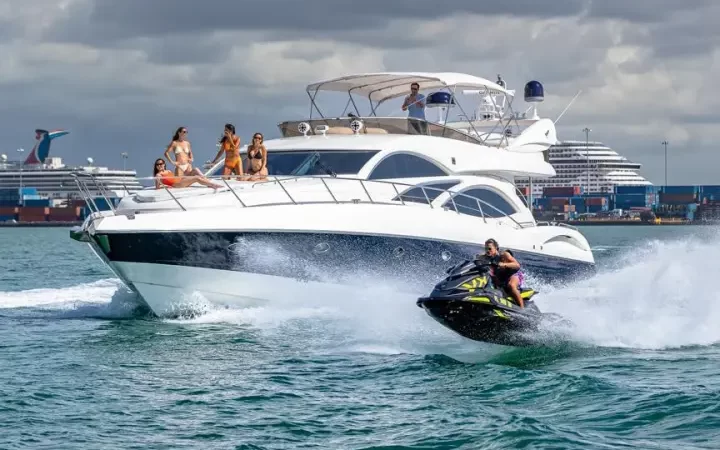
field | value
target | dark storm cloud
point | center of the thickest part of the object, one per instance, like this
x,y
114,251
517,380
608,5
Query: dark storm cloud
x,y
643,11
114,19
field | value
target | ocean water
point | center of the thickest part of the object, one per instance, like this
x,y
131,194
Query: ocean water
x,y
82,366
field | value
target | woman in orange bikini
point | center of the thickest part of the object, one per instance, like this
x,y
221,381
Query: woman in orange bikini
x,y
257,159
230,144
167,178
183,154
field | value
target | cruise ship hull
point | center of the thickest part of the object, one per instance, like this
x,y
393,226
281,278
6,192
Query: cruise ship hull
x,y
178,271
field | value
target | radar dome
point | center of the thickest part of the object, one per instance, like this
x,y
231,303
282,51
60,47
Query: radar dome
x,y
534,92
3,157
439,99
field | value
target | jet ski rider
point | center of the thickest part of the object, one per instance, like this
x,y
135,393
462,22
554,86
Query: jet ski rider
x,y
507,274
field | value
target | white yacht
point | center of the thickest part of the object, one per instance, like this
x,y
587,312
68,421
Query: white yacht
x,y
346,196
592,165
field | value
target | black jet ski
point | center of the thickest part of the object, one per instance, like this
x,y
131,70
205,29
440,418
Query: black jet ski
x,y
467,303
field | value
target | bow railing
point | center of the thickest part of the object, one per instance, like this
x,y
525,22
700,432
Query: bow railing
x,y
303,190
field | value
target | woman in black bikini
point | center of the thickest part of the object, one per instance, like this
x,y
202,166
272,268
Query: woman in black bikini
x,y
257,159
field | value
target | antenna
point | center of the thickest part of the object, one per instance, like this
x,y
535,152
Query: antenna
x,y
567,107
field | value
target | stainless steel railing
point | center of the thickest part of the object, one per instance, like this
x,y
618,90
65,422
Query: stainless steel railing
x,y
484,210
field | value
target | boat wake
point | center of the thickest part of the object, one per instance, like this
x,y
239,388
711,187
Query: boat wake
x,y
656,295
103,299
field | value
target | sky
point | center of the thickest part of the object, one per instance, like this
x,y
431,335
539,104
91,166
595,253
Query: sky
x,y
122,75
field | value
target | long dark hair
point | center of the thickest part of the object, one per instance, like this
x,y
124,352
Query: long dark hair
x,y
176,137
231,128
252,142
155,168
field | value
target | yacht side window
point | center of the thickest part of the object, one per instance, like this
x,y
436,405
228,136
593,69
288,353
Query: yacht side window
x,y
405,166
431,192
492,203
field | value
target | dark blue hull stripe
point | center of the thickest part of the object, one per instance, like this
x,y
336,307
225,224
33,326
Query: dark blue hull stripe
x,y
316,256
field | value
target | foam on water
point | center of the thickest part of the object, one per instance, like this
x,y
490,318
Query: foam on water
x,y
657,295
654,296
368,314
107,298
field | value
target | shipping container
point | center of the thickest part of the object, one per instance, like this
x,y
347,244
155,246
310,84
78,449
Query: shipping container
x,y
569,191
557,201
64,214
34,203
631,203
680,189
31,218
635,189
7,217
676,198
34,210
101,204
596,208
710,192
9,203
596,201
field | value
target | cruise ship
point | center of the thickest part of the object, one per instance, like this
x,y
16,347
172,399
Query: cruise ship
x,y
52,179
594,166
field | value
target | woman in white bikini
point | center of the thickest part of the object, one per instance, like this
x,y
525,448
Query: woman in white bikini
x,y
183,154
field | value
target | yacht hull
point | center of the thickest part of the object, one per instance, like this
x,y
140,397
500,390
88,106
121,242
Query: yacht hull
x,y
180,273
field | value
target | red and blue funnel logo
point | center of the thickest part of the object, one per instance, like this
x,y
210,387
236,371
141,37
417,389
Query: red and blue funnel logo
x,y
42,147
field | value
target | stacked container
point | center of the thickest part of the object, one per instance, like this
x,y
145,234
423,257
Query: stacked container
x,y
566,192
9,197
678,195
710,194
33,214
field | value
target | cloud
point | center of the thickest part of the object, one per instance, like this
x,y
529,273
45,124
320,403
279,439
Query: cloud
x,y
122,75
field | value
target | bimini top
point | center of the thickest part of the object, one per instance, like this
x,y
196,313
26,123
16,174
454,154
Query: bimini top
x,y
382,86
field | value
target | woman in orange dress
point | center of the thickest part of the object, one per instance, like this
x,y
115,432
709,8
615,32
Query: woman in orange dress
x,y
257,159
230,145
164,177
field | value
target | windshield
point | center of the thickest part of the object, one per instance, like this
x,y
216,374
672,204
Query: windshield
x,y
426,193
314,162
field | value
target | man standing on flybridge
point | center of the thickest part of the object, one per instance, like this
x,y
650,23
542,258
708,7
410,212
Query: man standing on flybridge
x,y
414,104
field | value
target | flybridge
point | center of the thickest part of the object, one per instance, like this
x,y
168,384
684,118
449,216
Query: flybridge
x,y
492,123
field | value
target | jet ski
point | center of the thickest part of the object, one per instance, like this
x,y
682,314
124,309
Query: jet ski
x,y
467,303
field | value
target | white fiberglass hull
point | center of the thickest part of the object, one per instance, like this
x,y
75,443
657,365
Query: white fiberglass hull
x,y
238,257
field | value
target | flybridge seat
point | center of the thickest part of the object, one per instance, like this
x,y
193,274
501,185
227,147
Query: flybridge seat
x,y
373,125
346,130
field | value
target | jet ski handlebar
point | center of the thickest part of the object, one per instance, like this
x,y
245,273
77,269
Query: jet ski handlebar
x,y
480,260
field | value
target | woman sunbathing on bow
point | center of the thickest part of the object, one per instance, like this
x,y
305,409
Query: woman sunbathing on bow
x,y
167,178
